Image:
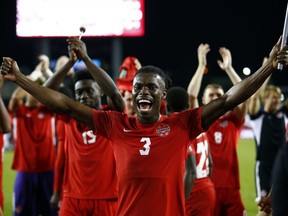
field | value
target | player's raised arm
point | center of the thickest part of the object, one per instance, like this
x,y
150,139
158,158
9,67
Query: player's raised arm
x,y
57,78
226,65
256,99
103,79
195,83
244,89
52,99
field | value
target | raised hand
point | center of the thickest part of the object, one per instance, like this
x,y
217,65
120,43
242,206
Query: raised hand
x,y
226,62
278,56
202,51
77,46
9,69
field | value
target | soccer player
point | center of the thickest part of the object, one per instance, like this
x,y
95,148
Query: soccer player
x,y
177,101
34,152
90,180
199,190
5,127
149,182
222,135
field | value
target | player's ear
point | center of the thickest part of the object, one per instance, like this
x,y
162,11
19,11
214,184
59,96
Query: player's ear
x,y
164,94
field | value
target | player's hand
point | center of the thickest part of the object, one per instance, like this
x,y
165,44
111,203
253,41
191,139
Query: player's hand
x,y
78,47
226,59
54,201
278,55
202,51
9,69
265,205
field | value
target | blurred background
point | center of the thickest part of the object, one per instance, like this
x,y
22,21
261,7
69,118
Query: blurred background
x,y
172,32
170,35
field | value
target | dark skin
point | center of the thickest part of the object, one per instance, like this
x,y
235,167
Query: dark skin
x,y
77,50
5,125
62,104
87,91
107,85
189,175
151,87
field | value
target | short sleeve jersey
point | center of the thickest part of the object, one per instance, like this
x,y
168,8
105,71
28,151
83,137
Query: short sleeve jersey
x,y
90,170
150,160
34,139
201,147
223,138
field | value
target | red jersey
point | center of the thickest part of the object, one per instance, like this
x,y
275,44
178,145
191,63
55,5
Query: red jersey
x,y
60,158
223,138
90,171
201,146
150,160
34,139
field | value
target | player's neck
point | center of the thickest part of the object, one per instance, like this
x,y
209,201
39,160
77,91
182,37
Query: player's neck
x,y
151,120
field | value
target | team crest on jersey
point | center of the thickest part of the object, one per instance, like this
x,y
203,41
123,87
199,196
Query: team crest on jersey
x,y
163,130
224,124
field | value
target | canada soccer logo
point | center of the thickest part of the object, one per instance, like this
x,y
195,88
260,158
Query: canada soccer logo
x,y
163,130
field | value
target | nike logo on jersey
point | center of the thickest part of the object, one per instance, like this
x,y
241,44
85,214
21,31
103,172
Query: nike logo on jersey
x,y
125,130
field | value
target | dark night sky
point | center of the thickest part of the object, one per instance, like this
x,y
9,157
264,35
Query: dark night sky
x,y
174,29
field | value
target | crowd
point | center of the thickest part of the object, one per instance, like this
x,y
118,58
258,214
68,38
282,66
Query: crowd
x,y
151,148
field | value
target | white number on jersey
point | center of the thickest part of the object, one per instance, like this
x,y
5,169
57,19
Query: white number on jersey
x,y
89,137
146,146
218,137
202,168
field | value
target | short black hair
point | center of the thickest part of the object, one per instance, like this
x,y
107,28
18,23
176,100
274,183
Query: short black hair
x,y
81,75
66,91
177,99
156,70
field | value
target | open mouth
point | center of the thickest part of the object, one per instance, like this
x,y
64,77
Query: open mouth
x,y
144,105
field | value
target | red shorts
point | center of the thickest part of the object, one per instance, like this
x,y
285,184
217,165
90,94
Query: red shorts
x,y
91,207
201,202
229,202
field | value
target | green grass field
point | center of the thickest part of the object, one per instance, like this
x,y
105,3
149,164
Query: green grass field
x,y
246,156
8,182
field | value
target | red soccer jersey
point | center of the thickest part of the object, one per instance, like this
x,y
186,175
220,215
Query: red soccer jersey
x,y
150,160
60,158
34,139
90,171
223,138
200,144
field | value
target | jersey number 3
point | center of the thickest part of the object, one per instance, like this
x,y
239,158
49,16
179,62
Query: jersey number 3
x,y
146,146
